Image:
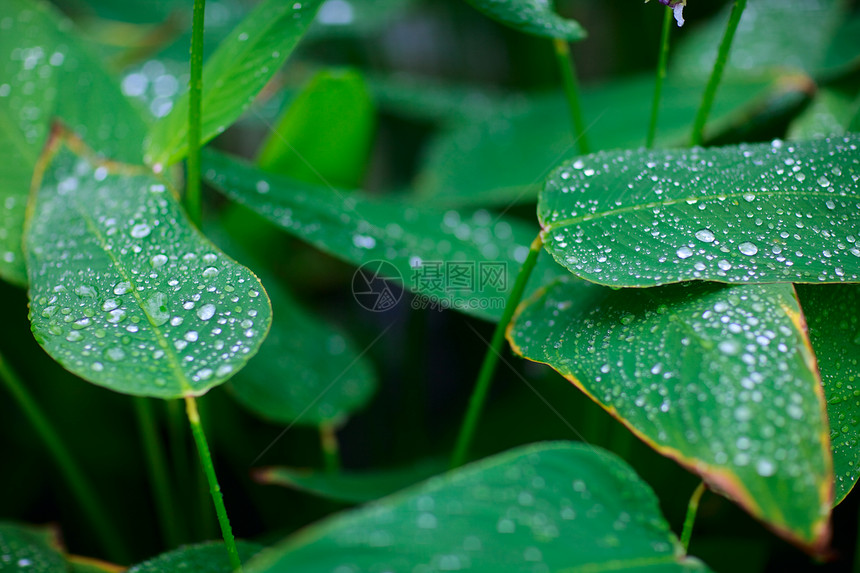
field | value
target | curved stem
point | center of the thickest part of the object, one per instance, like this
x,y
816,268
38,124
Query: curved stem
x,y
571,89
485,376
661,76
214,488
77,480
690,519
157,466
717,73
195,96
330,448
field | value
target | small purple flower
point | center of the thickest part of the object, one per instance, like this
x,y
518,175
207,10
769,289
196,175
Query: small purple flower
x,y
678,7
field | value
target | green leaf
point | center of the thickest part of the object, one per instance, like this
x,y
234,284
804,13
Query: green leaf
x,y
208,557
842,54
30,549
417,241
535,17
351,487
546,507
357,18
778,212
721,379
240,67
829,113
77,564
46,71
833,318
124,292
325,136
504,157
798,35
306,372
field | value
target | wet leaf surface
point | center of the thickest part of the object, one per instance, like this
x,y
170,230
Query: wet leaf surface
x,y
46,71
351,486
201,558
779,212
545,507
28,548
424,249
243,63
124,292
833,317
719,378
535,17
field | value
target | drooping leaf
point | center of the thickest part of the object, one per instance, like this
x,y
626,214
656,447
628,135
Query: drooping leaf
x,y
240,67
550,507
325,136
778,212
465,261
535,17
306,372
833,318
798,36
208,557
351,486
362,18
77,564
31,549
45,72
505,156
719,378
829,114
124,292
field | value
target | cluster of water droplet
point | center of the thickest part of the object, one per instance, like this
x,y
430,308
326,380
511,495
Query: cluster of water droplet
x,y
124,292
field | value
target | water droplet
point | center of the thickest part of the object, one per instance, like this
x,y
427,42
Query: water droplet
x,y
206,311
156,308
705,235
210,272
684,252
140,230
158,261
747,248
122,288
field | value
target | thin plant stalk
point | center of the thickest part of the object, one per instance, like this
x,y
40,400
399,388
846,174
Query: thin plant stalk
x,y
571,89
698,134
214,488
157,466
661,76
690,519
81,487
491,358
330,448
193,204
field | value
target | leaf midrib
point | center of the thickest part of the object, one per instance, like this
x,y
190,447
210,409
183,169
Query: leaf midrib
x,y
643,206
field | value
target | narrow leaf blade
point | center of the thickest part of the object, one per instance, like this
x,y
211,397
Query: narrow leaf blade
x,y
208,557
124,292
240,67
721,379
559,506
779,212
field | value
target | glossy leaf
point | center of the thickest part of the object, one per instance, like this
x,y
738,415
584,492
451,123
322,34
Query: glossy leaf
x,y
535,17
547,507
240,67
124,292
829,114
833,318
307,372
416,241
351,486
31,549
325,135
363,18
504,157
798,35
201,558
778,212
47,72
721,379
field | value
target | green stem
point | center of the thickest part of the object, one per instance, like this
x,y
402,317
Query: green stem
x,y
157,466
192,189
698,134
78,482
214,488
330,448
485,376
692,509
661,76
571,88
